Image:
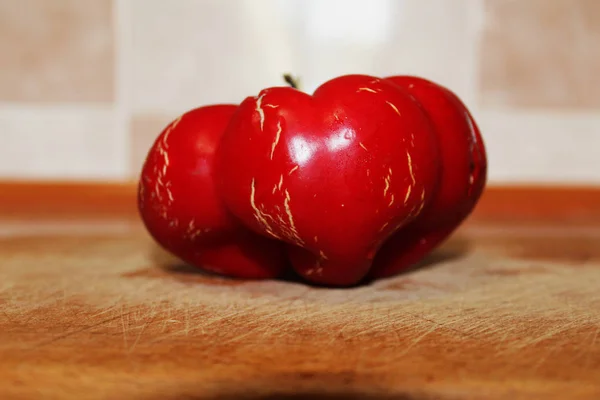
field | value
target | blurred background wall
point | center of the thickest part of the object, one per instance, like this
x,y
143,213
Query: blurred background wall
x,y
86,85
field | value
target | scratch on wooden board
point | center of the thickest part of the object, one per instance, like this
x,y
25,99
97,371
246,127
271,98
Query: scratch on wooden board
x,y
150,322
340,333
279,328
394,329
249,332
559,344
441,325
74,332
589,354
416,340
484,325
189,328
259,326
378,323
550,332
106,310
168,319
187,321
122,316
507,332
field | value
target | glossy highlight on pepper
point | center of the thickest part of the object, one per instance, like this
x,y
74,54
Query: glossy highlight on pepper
x,y
363,178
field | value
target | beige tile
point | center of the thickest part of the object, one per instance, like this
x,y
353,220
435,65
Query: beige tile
x,y
144,129
56,51
541,53
542,147
215,51
55,142
194,53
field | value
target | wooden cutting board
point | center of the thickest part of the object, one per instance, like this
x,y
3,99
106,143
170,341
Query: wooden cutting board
x,y
500,312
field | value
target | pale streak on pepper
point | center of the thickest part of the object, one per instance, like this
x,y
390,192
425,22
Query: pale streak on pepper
x,y
394,107
363,146
168,190
259,215
412,177
280,182
412,211
262,207
142,191
293,170
473,145
383,226
277,137
165,160
195,234
159,183
422,202
317,269
407,194
261,112
387,185
157,193
410,168
191,231
161,148
366,89
288,211
282,225
391,201
169,129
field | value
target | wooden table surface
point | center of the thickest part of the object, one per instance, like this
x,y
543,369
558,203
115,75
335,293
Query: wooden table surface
x,y
91,309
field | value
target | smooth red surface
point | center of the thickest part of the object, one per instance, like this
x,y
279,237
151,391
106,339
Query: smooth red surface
x,y
461,180
363,178
181,209
333,174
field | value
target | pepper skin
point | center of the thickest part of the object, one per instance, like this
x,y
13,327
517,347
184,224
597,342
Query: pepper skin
x,y
362,179
461,180
333,175
180,208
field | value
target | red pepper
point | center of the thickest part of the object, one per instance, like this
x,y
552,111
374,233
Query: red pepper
x,y
461,180
183,213
363,178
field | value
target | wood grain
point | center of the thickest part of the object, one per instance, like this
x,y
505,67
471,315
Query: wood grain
x,y
495,315
501,311
67,200
49,200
